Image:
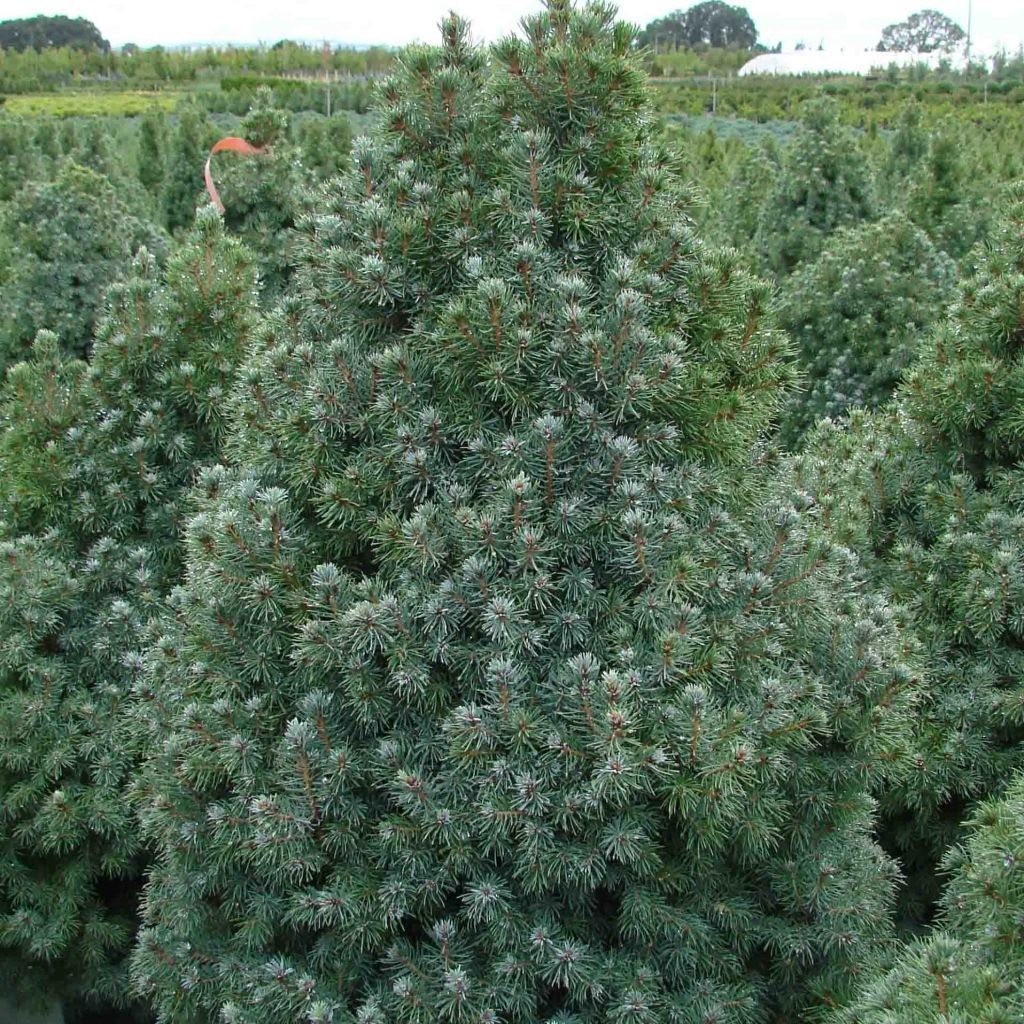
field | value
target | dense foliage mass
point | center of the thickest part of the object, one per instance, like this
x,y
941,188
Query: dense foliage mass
x,y
710,23
47,33
857,312
69,239
414,615
929,492
473,704
972,968
824,183
96,458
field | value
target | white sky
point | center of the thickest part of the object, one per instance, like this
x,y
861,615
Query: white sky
x,y
836,23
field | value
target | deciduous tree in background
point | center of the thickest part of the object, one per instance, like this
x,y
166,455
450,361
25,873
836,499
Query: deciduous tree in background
x,y
924,32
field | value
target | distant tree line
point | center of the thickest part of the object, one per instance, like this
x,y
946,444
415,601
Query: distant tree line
x,y
46,33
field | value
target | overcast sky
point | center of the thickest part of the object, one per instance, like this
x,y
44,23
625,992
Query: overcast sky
x,y
836,23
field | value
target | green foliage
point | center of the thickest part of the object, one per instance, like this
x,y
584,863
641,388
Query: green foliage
x,y
47,33
972,971
95,459
20,160
857,313
930,493
923,32
152,134
185,155
69,239
711,23
505,683
261,193
324,144
824,183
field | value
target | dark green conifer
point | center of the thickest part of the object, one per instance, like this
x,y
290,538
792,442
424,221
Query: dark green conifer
x,y
261,194
69,240
95,459
152,133
187,146
325,144
505,684
857,313
930,491
825,183
971,969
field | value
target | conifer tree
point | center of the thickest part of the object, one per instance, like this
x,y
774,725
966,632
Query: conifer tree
x,y
751,182
857,313
95,459
70,239
505,683
261,194
324,144
19,158
186,150
971,969
825,183
929,491
151,152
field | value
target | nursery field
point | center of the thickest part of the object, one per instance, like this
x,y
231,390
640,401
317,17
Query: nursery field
x,y
543,545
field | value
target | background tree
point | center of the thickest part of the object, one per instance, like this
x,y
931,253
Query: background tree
x,y
858,313
825,183
718,24
43,33
96,458
324,144
711,23
929,492
261,194
665,33
183,189
506,682
152,134
70,238
923,32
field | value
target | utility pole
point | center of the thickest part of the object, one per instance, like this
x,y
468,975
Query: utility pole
x,y
970,18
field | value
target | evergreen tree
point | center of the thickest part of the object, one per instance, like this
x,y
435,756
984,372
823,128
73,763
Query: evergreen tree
x,y
825,183
261,193
505,684
325,144
186,151
95,459
69,239
151,146
19,158
972,970
857,313
946,198
751,181
930,492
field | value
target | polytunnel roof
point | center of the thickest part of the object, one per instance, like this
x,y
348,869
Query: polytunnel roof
x,y
849,62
